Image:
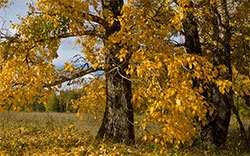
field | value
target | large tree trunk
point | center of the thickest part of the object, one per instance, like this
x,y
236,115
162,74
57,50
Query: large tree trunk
x,y
118,119
217,128
117,123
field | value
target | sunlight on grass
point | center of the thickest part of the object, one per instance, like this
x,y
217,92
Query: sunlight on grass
x,y
38,133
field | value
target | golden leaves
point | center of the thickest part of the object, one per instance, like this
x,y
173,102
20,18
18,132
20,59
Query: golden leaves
x,y
5,3
241,84
68,66
21,82
28,141
171,100
163,75
94,99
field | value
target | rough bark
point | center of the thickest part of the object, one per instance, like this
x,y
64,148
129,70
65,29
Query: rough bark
x,y
217,128
118,119
247,100
117,123
191,33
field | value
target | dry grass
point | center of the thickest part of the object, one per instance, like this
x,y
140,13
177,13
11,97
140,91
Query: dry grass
x,y
49,119
23,133
235,142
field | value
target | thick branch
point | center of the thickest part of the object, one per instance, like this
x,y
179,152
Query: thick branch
x,y
14,39
98,20
73,76
81,33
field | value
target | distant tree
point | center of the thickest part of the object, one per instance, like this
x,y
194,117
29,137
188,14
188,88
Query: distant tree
x,y
38,107
62,102
65,98
53,104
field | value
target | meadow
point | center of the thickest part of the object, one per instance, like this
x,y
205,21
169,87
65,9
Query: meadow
x,y
37,133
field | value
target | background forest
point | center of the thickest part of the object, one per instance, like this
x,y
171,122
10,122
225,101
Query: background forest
x,y
59,102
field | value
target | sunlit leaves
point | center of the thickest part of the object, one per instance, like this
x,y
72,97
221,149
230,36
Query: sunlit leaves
x,y
94,100
241,85
173,103
20,84
26,57
5,3
168,84
69,67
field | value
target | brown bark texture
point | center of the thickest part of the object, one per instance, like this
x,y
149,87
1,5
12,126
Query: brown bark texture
x,y
117,123
218,125
217,128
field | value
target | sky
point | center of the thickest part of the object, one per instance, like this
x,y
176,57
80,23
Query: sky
x,y
65,51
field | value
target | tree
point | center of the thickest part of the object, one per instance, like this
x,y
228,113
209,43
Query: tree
x,y
211,34
53,104
207,27
217,128
34,47
136,45
118,116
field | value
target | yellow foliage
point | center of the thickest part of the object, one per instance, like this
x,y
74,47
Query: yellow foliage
x,y
163,75
94,100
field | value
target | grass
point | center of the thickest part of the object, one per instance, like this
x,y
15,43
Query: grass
x,y
48,120
37,133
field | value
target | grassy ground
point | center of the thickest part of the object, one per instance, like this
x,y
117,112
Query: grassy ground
x,y
48,120
64,134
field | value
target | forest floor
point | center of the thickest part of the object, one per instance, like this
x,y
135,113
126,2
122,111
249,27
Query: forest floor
x,y
36,133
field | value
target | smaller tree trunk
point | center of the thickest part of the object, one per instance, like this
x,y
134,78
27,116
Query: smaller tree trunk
x,y
249,139
223,103
217,128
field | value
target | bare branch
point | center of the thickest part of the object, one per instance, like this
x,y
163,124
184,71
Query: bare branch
x,y
176,43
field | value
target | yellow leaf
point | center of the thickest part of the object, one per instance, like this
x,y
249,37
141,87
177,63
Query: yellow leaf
x,y
241,93
156,140
151,138
246,91
143,125
215,43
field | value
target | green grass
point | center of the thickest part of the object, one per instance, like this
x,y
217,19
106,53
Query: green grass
x,y
35,133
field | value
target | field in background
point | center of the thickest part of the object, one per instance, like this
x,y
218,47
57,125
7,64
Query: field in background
x,y
37,133
48,120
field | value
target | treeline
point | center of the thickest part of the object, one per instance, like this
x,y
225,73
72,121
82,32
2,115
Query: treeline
x,y
59,102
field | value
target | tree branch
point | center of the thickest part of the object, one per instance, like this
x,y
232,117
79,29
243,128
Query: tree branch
x,y
98,20
14,39
73,76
